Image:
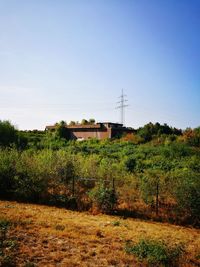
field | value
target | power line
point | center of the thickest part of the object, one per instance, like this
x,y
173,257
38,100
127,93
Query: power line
x,y
122,105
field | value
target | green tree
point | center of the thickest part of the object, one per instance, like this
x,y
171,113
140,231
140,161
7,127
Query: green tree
x,y
72,123
8,159
91,121
152,186
130,163
8,133
62,131
32,175
187,192
150,130
103,197
84,122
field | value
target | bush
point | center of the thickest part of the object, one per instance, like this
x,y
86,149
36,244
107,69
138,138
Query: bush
x,y
104,198
4,225
155,252
57,200
8,158
130,164
32,176
8,133
8,247
187,194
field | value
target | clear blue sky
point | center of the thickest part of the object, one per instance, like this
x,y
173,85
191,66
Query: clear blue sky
x,y
68,60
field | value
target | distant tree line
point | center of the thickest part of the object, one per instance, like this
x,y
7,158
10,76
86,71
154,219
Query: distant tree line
x,y
150,132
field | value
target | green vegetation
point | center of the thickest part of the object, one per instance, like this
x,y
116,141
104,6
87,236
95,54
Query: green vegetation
x,y
8,246
104,198
155,252
156,171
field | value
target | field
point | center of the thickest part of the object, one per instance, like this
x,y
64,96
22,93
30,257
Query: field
x,y
48,236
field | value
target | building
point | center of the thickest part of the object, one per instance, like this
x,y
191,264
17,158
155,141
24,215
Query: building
x,y
101,130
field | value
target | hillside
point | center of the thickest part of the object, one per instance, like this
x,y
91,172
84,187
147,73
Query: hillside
x,y
47,236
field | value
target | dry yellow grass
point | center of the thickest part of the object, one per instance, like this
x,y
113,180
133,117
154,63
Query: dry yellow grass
x,y
49,236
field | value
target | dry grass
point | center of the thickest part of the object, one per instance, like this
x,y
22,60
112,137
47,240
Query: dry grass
x,y
49,236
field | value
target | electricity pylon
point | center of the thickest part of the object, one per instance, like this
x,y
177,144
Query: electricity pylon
x,y
122,105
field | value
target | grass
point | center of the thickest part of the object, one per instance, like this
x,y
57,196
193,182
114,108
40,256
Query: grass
x,y
8,245
48,236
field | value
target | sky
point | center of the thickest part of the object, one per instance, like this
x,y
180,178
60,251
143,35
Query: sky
x,y
69,60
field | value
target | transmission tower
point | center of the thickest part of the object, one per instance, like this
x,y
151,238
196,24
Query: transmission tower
x,y
122,105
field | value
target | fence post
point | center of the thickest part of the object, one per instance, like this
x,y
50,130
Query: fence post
x,y
113,184
157,195
73,186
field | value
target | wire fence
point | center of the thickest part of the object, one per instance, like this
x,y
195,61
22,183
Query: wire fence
x,y
111,183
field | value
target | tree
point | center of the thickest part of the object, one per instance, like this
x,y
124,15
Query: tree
x,y
72,123
61,130
151,187
191,136
150,130
133,138
187,192
62,123
8,133
130,163
84,122
8,159
104,198
91,121
22,140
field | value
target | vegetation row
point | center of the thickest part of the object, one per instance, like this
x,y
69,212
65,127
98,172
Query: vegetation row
x,y
151,173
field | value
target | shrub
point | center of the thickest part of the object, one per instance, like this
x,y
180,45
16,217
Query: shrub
x,y
130,164
187,194
116,223
104,198
7,246
58,200
8,133
4,224
155,252
32,176
8,158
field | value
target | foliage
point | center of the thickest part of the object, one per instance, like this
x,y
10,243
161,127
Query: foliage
x,y
155,252
187,193
31,178
91,121
84,122
4,225
103,197
116,223
150,130
8,133
61,131
191,137
8,159
72,123
133,138
157,165
130,164
8,246
22,140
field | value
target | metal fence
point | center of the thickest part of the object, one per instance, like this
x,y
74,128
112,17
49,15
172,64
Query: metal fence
x,y
111,183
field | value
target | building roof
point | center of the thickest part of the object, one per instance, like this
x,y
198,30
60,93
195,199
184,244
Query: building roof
x,y
84,126
98,125
109,122
77,126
